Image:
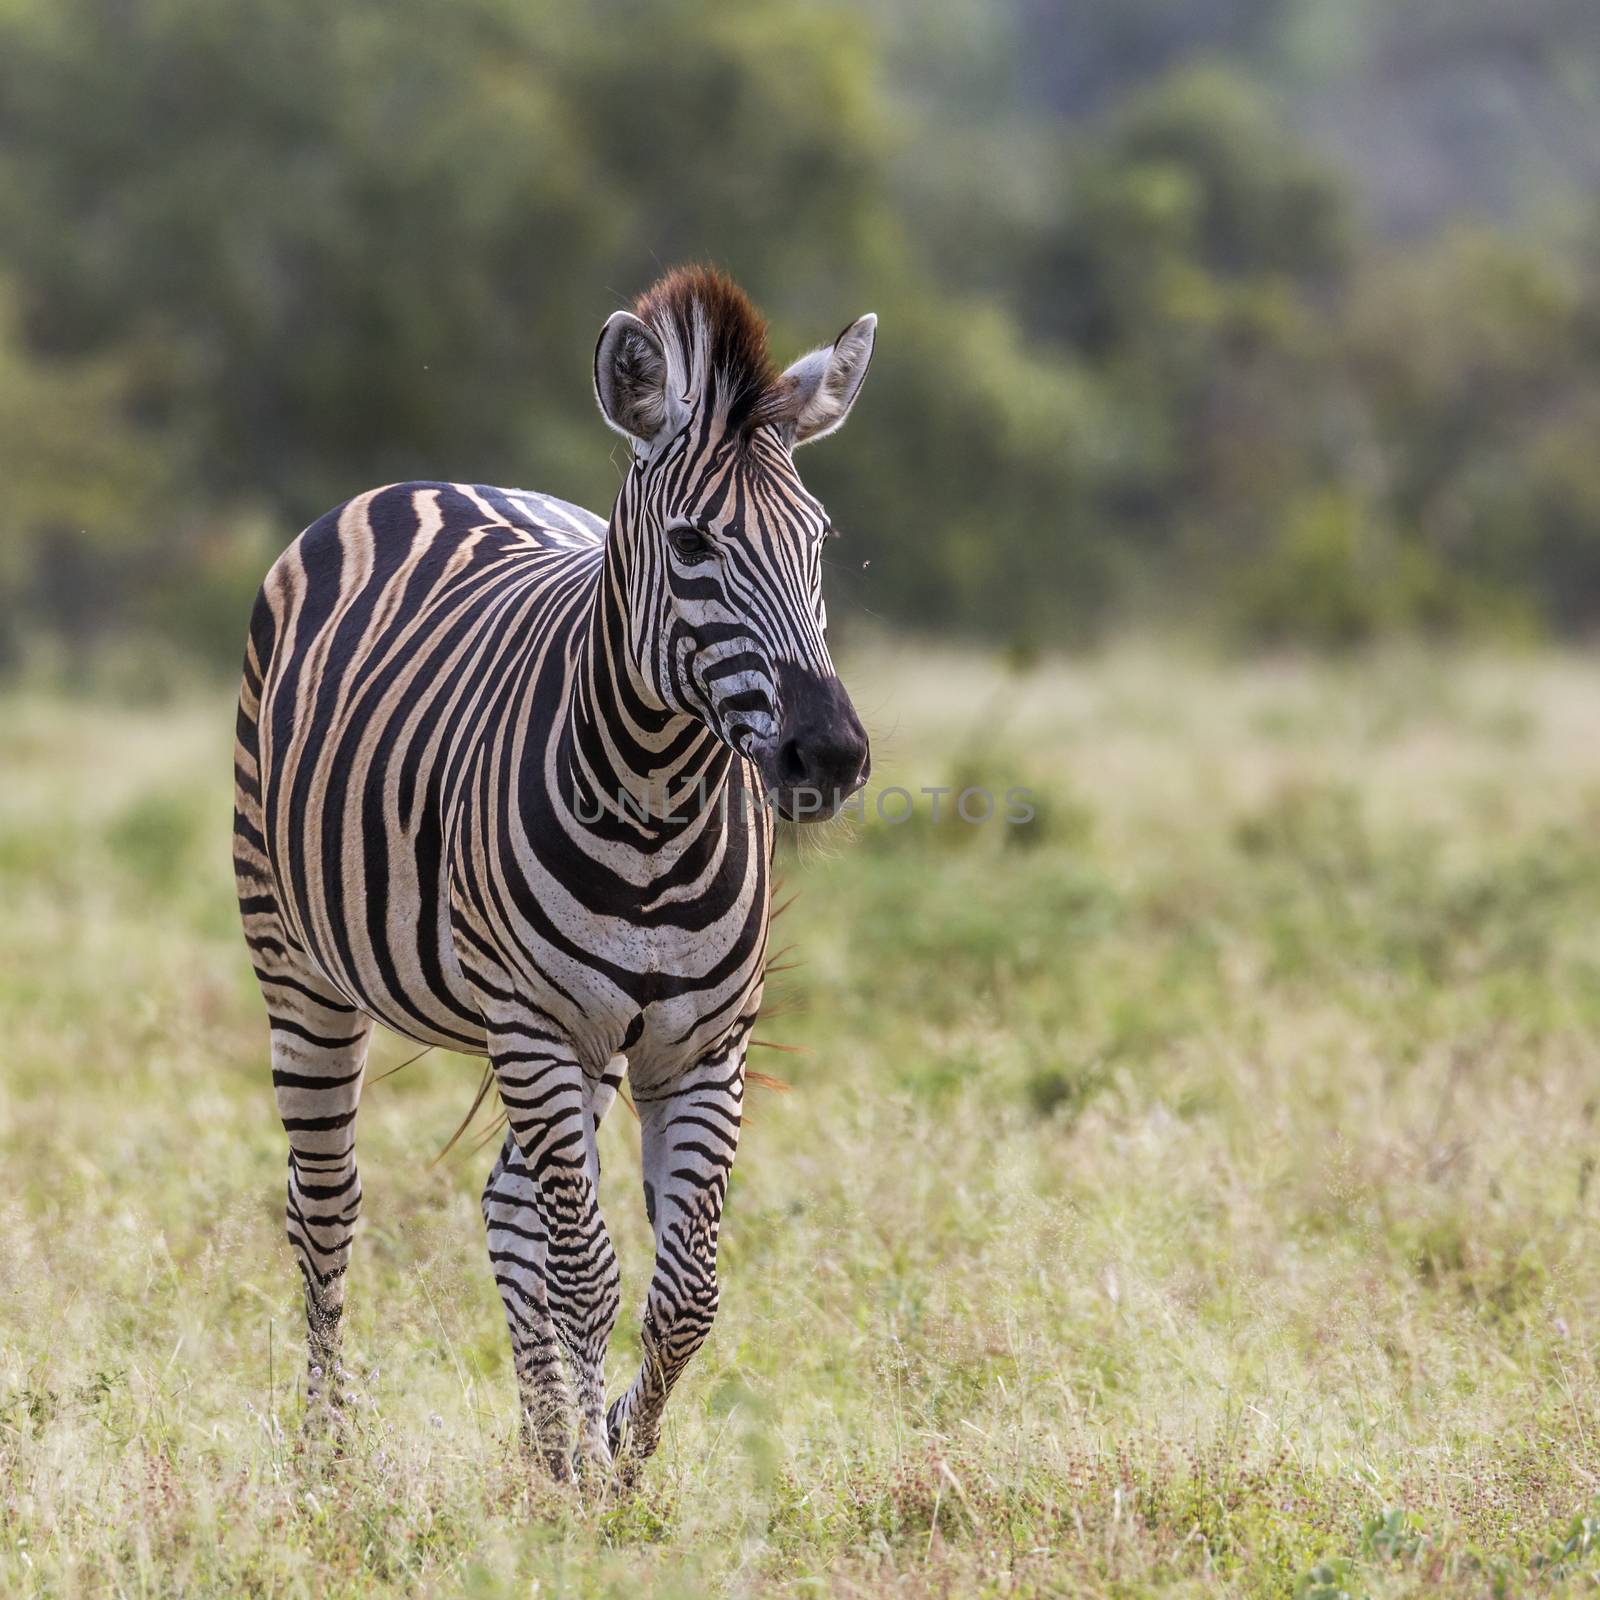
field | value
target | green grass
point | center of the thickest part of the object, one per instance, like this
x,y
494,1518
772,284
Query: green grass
x,y
1192,1193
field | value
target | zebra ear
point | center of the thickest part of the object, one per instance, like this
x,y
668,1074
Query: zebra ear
x,y
630,378
823,385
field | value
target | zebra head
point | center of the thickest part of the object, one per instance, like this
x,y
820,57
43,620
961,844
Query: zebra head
x,y
717,544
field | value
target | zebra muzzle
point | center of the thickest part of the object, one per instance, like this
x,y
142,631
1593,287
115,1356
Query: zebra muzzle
x,y
821,755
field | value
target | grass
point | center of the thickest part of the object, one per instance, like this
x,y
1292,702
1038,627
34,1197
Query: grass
x,y
1189,1193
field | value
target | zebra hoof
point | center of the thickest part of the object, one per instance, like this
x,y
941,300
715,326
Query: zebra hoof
x,y
593,1464
616,1429
627,1458
333,1416
547,1445
327,1430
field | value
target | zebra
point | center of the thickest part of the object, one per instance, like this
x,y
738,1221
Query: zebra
x,y
505,782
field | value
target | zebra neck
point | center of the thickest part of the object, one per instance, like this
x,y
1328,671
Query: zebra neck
x,y
630,759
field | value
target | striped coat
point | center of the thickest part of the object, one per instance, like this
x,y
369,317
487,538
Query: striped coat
x,y
505,782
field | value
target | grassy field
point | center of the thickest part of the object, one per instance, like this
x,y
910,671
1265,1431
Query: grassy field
x,y
1188,1193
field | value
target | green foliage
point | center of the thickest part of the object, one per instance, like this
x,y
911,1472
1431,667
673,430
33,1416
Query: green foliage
x,y
1183,216
1144,351
1575,1551
1335,579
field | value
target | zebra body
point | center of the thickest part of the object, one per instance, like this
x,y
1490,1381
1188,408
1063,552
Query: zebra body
x,y
604,955
500,782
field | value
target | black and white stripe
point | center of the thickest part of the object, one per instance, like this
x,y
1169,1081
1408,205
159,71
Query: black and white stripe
x,y
500,773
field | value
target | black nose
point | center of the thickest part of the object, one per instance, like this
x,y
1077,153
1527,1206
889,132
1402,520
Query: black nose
x,y
822,756
829,760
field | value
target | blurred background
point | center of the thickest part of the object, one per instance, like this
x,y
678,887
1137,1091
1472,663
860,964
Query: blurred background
x,y
1191,1191
1268,321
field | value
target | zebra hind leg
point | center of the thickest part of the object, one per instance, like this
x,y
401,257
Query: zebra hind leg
x,y
319,1052
319,1049
517,1246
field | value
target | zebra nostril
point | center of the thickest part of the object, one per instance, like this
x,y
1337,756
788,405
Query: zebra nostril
x,y
792,768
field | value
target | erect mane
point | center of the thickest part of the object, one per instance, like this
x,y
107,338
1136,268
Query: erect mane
x,y
716,343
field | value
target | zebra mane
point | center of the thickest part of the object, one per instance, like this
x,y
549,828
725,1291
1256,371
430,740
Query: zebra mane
x,y
716,345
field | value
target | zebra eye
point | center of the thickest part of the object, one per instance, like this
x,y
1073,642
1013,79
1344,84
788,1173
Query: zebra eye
x,y
688,544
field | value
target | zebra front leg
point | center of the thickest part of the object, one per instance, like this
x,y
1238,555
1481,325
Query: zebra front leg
x,y
517,1254
690,1131
319,1052
552,1109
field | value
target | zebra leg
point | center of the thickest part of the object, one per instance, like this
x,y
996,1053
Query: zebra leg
x,y
517,1250
551,1106
517,1244
689,1132
319,1051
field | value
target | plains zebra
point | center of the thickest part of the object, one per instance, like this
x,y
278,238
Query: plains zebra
x,y
500,772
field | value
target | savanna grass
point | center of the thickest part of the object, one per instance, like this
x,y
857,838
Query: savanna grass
x,y
1189,1193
